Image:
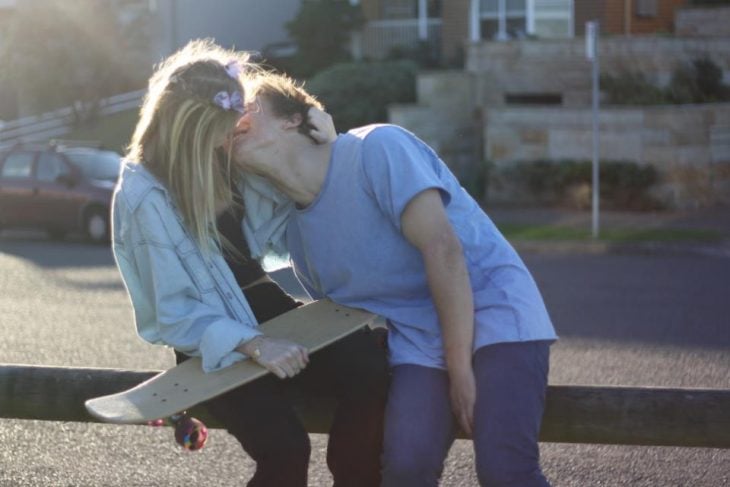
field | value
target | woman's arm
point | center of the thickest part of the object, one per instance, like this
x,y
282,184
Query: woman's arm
x,y
426,226
321,127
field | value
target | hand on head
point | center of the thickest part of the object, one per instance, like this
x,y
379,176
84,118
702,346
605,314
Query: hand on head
x,y
322,128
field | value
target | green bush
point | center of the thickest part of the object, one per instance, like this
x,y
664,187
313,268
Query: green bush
x,y
624,185
475,179
631,88
425,54
697,82
322,31
357,94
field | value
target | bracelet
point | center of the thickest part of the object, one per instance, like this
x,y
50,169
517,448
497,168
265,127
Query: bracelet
x,y
257,351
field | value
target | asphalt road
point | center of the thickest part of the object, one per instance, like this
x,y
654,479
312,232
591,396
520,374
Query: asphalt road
x,y
645,320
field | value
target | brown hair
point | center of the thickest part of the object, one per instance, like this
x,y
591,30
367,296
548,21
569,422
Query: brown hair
x,y
286,97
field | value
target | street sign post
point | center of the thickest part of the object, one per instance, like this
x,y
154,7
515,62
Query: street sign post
x,y
592,30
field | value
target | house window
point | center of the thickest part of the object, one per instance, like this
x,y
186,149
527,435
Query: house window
x,y
408,9
514,8
515,17
647,8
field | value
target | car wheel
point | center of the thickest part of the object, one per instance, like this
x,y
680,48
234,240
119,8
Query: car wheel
x,y
97,226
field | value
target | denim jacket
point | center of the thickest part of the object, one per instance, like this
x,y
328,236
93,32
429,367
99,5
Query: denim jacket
x,y
182,297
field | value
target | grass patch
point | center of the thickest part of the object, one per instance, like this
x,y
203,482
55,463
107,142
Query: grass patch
x,y
113,131
556,233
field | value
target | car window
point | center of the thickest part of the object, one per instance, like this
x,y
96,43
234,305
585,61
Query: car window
x,y
17,165
96,164
49,167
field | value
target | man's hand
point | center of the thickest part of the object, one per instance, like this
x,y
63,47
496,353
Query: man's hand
x,y
280,357
425,224
322,129
463,397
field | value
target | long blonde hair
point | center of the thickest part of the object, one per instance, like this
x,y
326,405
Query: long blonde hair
x,y
181,130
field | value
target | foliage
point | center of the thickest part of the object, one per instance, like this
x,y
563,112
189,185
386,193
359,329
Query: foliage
x,y
359,93
322,32
631,88
476,178
57,53
698,82
424,53
623,184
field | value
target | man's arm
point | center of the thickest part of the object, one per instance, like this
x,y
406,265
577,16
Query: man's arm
x,y
426,226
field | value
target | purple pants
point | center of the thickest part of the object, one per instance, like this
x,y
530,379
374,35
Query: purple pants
x,y
511,381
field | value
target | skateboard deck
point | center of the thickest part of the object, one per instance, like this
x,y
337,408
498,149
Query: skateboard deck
x,y
313,326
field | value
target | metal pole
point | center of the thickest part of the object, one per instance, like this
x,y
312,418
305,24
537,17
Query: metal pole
x,y
502,21
422,20
475,33
592,31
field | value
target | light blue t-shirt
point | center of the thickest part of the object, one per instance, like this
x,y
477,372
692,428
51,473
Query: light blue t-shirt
x,y
347,245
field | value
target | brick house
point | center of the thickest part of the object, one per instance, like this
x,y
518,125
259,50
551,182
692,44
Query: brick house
x,y
447,25
628,17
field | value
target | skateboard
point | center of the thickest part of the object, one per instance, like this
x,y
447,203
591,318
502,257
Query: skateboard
x,y
170,393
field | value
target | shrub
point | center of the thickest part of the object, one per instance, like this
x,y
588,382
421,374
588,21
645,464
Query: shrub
x,y
631,88
322,32
425,54
697,82
475,179
359,93
624,185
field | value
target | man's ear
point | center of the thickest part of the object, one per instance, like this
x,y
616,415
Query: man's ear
x,y
293,121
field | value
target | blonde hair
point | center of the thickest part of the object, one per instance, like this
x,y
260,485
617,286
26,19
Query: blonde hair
x,y
181,129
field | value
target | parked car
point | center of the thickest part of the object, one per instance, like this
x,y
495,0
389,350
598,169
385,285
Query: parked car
x,y
59,189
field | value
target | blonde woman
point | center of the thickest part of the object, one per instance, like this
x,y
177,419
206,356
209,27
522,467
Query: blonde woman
x,y
178,242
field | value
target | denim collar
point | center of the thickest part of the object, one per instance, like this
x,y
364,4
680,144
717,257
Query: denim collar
x,y
138,181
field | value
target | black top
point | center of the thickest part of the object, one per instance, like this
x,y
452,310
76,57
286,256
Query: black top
x,y
267,299
245,268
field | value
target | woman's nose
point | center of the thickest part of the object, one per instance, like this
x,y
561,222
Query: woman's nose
x,y
244,123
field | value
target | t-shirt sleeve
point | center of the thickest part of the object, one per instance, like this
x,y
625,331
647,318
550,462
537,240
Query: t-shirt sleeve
x,y
397,167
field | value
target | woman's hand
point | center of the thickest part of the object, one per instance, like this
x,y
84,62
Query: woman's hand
x,y
322,128
463,398
283,358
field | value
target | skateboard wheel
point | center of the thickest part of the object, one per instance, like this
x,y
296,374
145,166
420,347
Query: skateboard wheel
x,y
156,422
191,433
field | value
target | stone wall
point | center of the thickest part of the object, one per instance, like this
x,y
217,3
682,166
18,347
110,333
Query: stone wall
x,y
560,66
689,145
446,117
463,115
703,22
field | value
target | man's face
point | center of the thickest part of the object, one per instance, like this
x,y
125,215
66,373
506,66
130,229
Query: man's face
x,y
257,137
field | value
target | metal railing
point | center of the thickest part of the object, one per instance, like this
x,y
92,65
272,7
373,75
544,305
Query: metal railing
x,y
57,123
379,37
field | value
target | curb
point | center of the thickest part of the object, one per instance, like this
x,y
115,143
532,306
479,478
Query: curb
x,y
718,249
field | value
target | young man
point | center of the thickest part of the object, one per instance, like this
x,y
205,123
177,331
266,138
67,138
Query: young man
x,y
381,223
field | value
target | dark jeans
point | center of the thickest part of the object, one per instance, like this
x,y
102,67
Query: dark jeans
x,y
511,381
261,417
